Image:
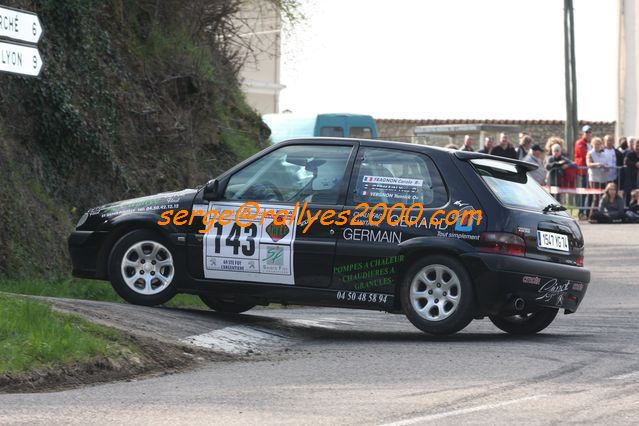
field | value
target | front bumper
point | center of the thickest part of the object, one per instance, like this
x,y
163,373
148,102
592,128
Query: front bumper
x,y
84,248
500,279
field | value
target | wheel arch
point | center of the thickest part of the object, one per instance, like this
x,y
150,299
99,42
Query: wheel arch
x,y
122,225
420,247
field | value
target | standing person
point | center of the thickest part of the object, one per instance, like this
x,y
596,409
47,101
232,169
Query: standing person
x,y
534,157
622,151
623,145
610,207
597,169
554,140
631,163
489,144
525,142
582,146
504,149
613,158
468,143
556,165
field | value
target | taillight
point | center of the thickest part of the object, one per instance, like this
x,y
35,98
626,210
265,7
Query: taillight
x,y
502,243
580,260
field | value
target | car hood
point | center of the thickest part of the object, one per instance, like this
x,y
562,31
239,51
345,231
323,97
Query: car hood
x,y
151,203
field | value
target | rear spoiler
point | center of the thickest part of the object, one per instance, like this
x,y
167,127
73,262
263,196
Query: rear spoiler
x,y
469,155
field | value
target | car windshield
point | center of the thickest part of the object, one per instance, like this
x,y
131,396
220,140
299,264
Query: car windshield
x,y
512,185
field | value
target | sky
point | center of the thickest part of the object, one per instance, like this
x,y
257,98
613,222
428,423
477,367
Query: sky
x,y
482,59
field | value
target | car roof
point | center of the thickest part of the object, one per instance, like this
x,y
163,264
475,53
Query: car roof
x,y
461,155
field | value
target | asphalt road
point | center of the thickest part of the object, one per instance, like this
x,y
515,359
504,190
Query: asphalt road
x,y
308,366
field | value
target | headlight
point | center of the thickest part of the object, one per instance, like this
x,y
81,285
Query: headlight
x,y
82,220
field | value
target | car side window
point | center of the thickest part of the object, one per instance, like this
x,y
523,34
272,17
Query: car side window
x,y
392,176
292,173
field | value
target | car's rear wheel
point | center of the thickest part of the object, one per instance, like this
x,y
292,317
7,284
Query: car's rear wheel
x,y
437,295
224,306
529,323
142,268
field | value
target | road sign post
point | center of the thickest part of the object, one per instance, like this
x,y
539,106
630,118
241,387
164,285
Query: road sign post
x,y
20,59
22,26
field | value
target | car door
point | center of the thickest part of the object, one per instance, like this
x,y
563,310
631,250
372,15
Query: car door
x,y
368,254
266,237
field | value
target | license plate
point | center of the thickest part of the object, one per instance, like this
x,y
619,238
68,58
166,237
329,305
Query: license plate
x,y
550,240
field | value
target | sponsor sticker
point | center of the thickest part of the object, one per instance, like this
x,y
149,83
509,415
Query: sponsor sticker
x,y
261,251
393,181
357,296
277,231
531,280
372,235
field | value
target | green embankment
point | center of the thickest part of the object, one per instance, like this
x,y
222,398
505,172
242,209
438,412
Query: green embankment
x,y
34,336
136,97
73,288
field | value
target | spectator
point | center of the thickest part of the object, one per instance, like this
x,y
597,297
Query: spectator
x,y
623,145
556,165
553,140
597,169
504,149
525,142
610,207
633,207
582,146
534,157
631,163
468,143
451,146
613,158
489,144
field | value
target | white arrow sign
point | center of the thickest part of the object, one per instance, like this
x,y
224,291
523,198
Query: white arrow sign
x,y
19,25
20,59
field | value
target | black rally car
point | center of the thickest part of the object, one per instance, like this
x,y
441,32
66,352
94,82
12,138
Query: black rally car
x,y
519,265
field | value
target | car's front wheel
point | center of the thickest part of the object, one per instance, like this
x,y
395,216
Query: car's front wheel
x,y
529,323
224,306
142,268
437,295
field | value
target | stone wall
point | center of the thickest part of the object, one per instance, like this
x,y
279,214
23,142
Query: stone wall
x,y
539,130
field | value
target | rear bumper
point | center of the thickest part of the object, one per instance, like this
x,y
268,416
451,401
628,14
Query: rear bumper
x,y
84,248
500,279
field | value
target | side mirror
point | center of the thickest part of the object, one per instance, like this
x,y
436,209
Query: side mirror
x,y
212,191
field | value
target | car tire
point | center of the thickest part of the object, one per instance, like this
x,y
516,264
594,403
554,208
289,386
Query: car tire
x,y
437,295
224,306
142,268
525,324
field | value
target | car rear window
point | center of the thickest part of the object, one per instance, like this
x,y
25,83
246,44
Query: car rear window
x,y
512,185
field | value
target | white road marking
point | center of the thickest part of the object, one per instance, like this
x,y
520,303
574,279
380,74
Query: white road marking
x,y
462,411
321,323
625,376
239,340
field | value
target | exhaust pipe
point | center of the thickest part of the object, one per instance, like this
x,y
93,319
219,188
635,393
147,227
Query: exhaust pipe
x,y
519,304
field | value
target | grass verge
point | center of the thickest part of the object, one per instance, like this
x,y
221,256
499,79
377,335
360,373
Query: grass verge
x,y
33,336
73,288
